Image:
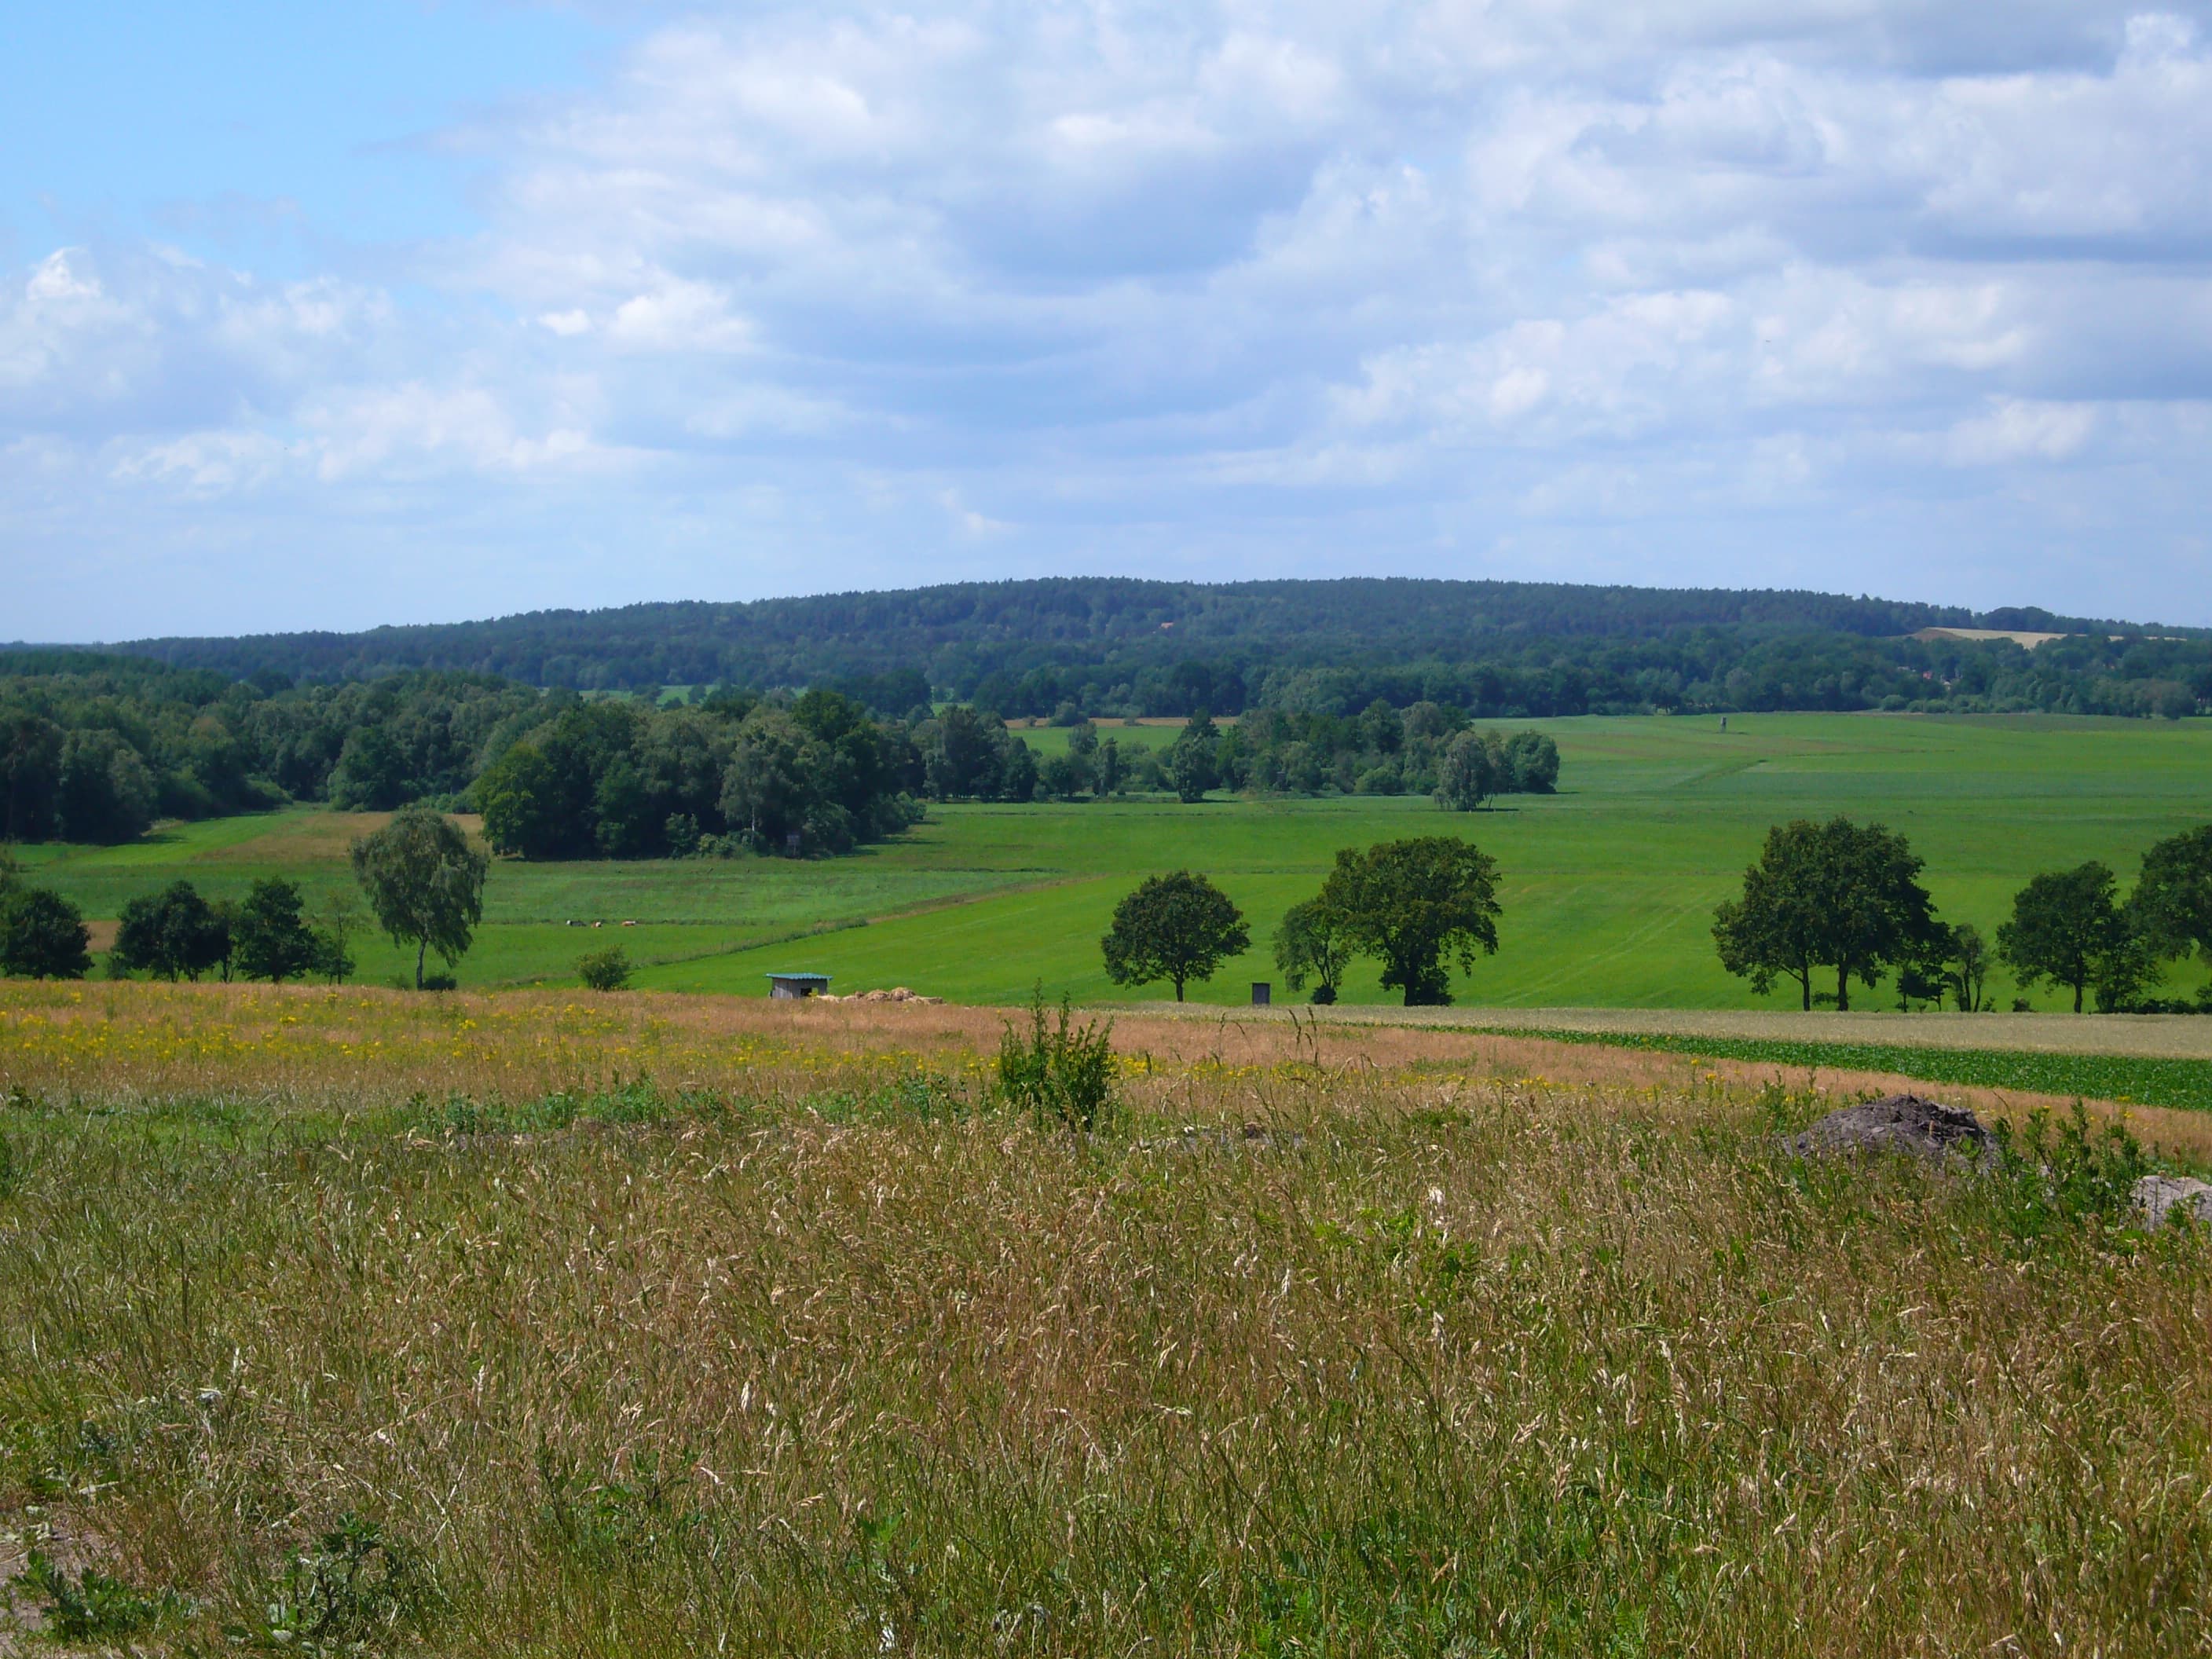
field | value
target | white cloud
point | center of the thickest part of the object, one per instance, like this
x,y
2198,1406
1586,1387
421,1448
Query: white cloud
x,y
2019,430
678,316
207,463
404,430
1231,286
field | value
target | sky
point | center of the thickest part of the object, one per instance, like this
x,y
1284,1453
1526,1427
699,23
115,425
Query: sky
x,y
384,311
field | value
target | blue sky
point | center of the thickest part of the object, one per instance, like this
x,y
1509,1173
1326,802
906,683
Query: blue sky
x,y
337,315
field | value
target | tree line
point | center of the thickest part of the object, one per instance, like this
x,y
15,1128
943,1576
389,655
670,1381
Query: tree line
x,y
1829,904
423,880
96,748
739,773
1426,749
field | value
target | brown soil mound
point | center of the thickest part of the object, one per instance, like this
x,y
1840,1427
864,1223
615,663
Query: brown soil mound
x,y
1901,1124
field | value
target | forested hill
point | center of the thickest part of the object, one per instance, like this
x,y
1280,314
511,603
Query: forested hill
x,y
960,635
95,745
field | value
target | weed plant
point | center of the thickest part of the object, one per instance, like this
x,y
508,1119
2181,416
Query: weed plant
x,y
92,1606
1061,1075
353,1590
2053,1174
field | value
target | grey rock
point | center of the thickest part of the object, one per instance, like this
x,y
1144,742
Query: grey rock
x,y
2158,1197
1901,1124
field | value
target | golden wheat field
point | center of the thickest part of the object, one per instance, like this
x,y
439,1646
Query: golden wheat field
x,y
341,1321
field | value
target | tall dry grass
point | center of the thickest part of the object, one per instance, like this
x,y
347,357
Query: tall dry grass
x,y
349,1048
828,1356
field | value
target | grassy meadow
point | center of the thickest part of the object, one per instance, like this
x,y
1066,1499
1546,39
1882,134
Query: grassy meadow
x,y
341,1320
1608,886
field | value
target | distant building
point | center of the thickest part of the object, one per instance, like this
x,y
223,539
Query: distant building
x,y
793,987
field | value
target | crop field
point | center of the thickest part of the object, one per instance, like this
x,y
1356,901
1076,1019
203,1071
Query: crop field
x,y
2161,1060
2185,1084
341,1319
1608,886
2154,1036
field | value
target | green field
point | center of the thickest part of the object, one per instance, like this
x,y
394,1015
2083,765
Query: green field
x,y
1608,890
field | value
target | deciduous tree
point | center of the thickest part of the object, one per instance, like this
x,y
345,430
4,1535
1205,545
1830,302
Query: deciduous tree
x,y
104,792
42,935
2172,907
1110,773
1532,763
424,883
1191,766
338,920
1839,897
1472,770
1314,942
2067,926
1966,969
1179,928
172,932
1414,903
270,937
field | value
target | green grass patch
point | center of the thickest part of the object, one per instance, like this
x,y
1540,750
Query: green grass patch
x,y
1609,887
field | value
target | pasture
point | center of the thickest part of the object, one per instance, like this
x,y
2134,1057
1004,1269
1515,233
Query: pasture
x,y
341,1319
1608,886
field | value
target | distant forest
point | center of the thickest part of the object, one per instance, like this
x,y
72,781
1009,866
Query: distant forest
x,y
95,744
1111,647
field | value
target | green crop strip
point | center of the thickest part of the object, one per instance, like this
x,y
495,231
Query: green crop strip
x,y
2133,1079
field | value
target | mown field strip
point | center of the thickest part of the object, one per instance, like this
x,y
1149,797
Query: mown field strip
x,y
2146,1036
2127,1078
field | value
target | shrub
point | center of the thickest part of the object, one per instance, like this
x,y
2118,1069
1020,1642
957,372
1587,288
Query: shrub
x,y
1062,1073
357,1586
1381,780
96,1608
438,983
2050,1176
605,971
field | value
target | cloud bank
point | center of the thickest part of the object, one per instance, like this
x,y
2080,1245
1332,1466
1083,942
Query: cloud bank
x,y
1904,298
